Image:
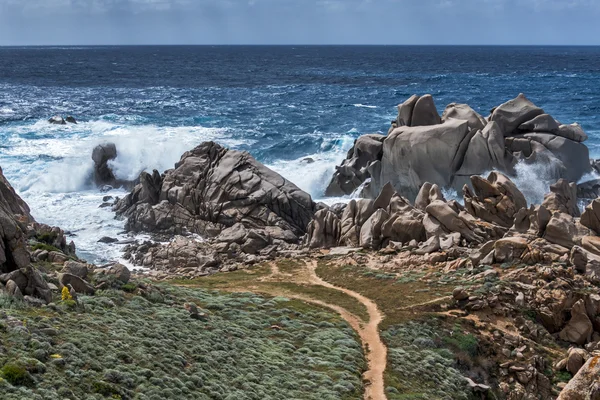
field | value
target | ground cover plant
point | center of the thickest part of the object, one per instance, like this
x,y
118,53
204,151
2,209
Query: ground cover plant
x,y
122,345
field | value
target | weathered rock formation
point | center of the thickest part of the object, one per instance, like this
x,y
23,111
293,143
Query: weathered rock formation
x,y
19,232
586,384
242,207
14,217
422,147
432,222
212,188
101,155
353,171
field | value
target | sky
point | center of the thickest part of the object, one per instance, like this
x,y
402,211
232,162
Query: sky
x,y
402,22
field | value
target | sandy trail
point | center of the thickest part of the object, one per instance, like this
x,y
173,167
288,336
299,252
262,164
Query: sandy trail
x,y
375,350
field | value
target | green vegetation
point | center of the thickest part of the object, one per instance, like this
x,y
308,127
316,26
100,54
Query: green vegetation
x,y
562,376
289,265
44,246
125,346
254,278
228,280
462,342
129,287
16,374
427,355
421,362
48,237
393,296
330,296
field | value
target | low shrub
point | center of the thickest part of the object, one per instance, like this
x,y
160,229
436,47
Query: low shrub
x,y
16,374
124,346
129,287
44,246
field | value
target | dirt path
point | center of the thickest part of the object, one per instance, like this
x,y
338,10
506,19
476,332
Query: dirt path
x,y
376,351
427,303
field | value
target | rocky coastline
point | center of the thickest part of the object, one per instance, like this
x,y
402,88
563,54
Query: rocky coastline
x,y
220,210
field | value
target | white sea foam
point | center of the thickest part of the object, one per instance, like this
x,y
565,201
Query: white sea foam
x,y
313,172
139,148
363,106
533,180
56,178
79,213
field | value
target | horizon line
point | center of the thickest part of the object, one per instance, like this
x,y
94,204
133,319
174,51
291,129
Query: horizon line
x,y
299,45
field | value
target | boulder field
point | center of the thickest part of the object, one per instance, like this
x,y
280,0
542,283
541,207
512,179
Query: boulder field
x,y
24,244
422,146
221,210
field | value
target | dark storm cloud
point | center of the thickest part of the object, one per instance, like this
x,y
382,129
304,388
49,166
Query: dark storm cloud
x,y
299,21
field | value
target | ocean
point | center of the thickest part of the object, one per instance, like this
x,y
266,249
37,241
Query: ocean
x,y
283,104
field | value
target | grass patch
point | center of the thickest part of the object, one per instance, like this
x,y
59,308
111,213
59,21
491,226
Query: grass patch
x,y
44,246
324,294
251,279
289,266
16,374
391,295
226,280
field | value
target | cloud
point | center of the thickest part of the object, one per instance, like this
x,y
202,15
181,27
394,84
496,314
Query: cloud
x,y
299,21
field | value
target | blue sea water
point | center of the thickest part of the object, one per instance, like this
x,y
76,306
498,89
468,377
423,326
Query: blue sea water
x,y
282,104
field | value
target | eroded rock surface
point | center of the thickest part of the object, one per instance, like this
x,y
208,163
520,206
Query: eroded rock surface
x,y
422,147
212,188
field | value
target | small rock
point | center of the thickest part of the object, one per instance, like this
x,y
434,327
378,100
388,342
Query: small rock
x,y
74,268
56,257
57,120
460,294
106,239
34,301
120,272
77,283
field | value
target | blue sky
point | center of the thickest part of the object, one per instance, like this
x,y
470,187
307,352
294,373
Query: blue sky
x,y
72,22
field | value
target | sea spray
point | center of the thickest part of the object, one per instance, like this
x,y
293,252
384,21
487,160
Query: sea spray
x,y
312,173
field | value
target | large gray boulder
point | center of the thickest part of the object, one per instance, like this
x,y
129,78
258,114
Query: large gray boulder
x,y
415,155
405,111
14,216
353,171
101,155
591,216
579,330
466,113
570,158
425,113
562,198
405,222
573,132
541,123
355,215
80,286
29,283
323,231
421,147
515,112
486,152
212,188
